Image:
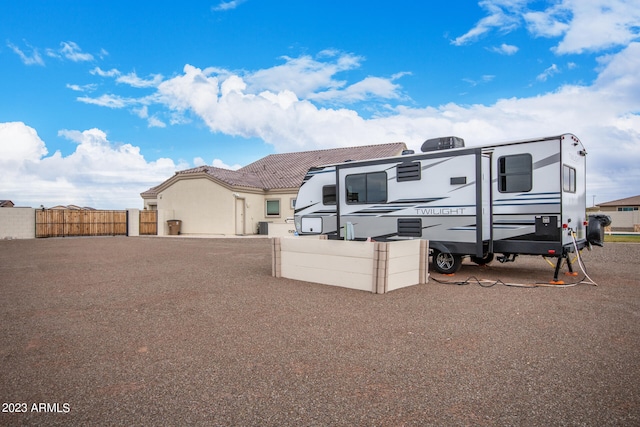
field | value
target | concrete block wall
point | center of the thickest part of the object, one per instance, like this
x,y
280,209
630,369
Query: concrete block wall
x,y
17,223
133,222
376,267
281,229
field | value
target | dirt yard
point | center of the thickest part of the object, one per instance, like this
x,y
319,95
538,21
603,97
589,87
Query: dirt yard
x,y
178,331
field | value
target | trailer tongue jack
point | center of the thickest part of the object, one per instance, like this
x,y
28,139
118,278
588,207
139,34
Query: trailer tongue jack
x,y
561,258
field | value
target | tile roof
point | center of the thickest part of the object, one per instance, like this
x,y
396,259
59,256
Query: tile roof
x,y
279,171
629,201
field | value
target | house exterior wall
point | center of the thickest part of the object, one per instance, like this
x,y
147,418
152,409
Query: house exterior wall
x,y
203,206
207,207
622,221
150,204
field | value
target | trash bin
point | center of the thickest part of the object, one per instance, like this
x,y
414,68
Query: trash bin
x,y
263,227
174,227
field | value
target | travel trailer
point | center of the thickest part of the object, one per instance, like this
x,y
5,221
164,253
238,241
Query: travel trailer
x,y
521,197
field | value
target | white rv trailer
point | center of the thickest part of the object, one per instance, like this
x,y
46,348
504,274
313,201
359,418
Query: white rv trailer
x,y
520,197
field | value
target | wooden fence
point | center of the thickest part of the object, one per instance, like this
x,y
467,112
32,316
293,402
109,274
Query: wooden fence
x,y
148,223
66,223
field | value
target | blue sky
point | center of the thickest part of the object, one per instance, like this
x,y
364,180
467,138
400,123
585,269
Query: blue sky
x,y
102,100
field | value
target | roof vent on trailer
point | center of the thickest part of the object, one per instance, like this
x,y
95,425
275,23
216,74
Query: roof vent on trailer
x,y
443,143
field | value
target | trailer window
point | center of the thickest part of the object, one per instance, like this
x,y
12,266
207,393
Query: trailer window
x,y
366,188
515,173
329,195
568,179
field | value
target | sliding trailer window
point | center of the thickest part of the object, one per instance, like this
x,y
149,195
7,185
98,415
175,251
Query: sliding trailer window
x,y
515,173
366,188
568,179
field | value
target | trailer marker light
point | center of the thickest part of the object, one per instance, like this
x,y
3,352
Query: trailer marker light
x,y
565,225
551,252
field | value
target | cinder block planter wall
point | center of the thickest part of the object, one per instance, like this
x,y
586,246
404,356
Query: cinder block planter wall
x,y
377,267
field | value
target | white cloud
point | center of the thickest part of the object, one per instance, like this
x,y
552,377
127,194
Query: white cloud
x,y
600,24
19,143
370,87
111,101
483,79
98,173
199,161
142,112
227,5
33,59
505,49
548,23
503,15
592,25
82,88
133,80
303,75
102,73
548,72
220,164
72,51
155,122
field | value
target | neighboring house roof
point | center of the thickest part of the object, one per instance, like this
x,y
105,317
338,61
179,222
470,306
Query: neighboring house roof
x,y
281,171
629,201
6,204
73,208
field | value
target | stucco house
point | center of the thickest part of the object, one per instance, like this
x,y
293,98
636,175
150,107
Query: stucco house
x,y
211,200
624,213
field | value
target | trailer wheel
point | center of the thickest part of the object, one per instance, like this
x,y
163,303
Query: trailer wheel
x,y
446,263
482,260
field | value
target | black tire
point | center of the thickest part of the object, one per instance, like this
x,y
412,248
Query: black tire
x,y
446,263
484,260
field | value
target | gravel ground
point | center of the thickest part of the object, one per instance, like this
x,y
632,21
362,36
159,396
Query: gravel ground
x,y
178,331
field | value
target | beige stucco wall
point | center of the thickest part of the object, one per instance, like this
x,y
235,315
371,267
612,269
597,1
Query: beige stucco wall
x,y
150,204
622,221
255,208
207,207
203,206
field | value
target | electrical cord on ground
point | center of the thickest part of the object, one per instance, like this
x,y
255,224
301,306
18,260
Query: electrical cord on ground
x,y
489,283
472,280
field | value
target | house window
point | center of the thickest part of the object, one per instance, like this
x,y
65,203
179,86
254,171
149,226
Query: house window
x,y
293,203
515,173
366,188
627,209
329,195
568,179
273,207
